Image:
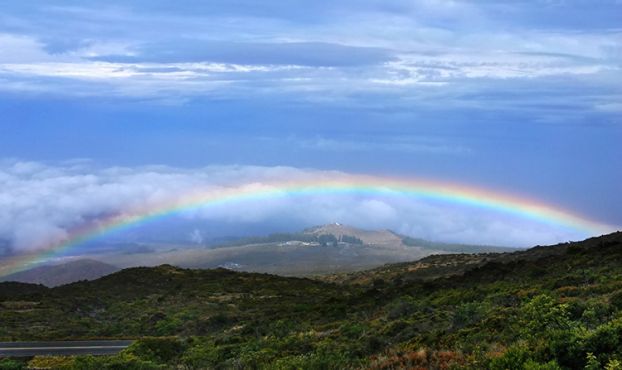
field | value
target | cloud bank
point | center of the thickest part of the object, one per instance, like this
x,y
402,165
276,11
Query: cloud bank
x,y
41,203
237,49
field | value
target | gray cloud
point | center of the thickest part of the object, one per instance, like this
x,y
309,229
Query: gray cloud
x,y
401,144
317,54
309,50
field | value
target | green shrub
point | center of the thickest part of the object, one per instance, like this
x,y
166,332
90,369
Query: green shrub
x,y
592,362
401,308
605,341
163,350
467,314
533,365
614,364
119,362
542,314
51,362
201,356
9,364
322,360
514,358
616,300
568,347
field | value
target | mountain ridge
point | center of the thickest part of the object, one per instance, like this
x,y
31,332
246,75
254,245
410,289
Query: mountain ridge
x,y
62,273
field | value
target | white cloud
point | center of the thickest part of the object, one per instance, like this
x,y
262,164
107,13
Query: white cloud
x,y
40,204
196,236
17,49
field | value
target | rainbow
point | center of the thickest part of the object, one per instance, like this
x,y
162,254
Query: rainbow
x,y
367,186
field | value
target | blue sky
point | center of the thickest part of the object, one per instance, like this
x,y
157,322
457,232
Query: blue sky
x,y
523,97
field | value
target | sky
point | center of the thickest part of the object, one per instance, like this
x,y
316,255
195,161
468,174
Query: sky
x,y
110,103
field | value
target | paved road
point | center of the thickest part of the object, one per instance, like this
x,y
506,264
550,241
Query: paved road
x,y
89,347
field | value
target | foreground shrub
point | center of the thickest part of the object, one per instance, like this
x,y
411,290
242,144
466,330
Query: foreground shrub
x,y
8,364
51,362
119,362
165,350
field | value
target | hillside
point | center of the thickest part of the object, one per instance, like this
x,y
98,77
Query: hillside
x,y
446,265
427,268
543,308
64,273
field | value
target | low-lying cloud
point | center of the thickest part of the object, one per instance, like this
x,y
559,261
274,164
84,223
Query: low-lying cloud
x,y
41,203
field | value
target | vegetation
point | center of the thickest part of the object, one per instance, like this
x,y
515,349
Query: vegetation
x,y
272,238
351,239
450,247
556,307
323,239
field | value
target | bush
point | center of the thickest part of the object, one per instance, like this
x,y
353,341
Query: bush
x,y
8,364
543,314
613,364
532,365
513,359
616,300
164,350
400,308
201,356
51,362
568,347
119,362
467,314
321,360
605,340
592,362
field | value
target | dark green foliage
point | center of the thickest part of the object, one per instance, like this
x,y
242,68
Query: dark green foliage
x,y
547,308
119,362
616,300
158,350
8,364
273,238
327,239
13,290
351,239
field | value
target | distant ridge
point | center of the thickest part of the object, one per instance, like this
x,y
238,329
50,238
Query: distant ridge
x,y
323,249
64,273
319,250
